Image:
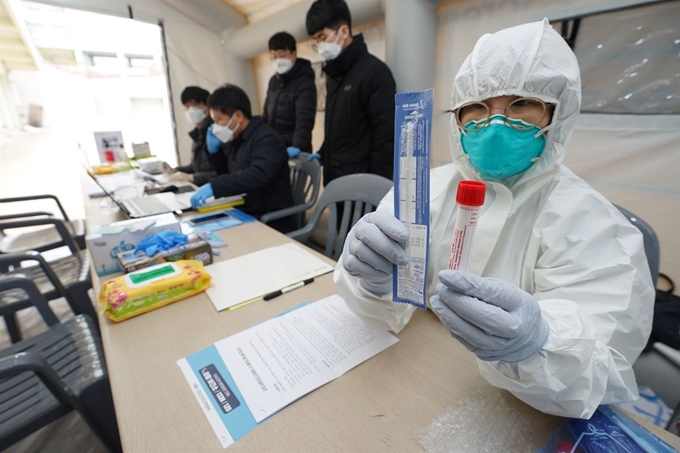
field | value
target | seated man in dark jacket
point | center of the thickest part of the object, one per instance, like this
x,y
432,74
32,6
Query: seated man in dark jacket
x,y
290,106
249,157
199,171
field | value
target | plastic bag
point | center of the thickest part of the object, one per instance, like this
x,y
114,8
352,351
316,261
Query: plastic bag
x,y
608,430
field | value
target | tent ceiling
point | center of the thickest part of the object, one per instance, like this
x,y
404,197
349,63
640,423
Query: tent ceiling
x,y
14,52
255,10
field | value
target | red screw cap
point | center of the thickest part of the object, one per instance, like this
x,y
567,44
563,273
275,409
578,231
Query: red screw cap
x,y
471,193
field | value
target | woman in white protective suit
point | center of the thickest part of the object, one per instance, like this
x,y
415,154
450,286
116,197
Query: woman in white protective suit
x,y
558,300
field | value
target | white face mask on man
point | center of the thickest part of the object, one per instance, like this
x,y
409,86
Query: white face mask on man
x,y
330,50
194,115
223,133
283,65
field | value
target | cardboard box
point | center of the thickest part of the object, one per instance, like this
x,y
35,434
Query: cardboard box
x,y
196,249
107,241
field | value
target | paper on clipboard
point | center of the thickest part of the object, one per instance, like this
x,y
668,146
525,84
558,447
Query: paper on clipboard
x,y
251,276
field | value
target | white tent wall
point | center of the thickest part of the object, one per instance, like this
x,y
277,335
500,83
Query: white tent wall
x,y
633,160
194,46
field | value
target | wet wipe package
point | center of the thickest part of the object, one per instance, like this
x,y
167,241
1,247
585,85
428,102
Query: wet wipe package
x,y
607,431
150,288
412,136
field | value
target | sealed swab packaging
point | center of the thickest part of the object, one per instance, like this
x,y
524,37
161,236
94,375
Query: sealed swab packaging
x,y
412,136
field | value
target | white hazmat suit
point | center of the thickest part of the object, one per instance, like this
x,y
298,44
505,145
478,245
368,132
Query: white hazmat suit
x,y
545,231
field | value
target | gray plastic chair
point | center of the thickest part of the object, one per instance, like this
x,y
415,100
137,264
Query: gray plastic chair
x,y
358,195
305,179
40,240
51,374
651,241
67,277
658,368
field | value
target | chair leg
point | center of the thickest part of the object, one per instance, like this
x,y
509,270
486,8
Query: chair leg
x,y
80,241
83,303
98,411
13,327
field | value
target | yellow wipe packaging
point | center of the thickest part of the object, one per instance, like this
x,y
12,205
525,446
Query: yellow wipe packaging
x,y
152,287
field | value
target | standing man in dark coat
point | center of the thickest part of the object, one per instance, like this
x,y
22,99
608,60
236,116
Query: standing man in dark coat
x,y
249,157
290,106
359,123
199,171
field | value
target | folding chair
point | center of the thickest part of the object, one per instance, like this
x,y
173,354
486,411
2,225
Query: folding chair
x,y
305,179
43,239
49,375
357,195
67,277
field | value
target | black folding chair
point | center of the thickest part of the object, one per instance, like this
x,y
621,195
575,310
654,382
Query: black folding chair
x,y
67,277
51,374
42,239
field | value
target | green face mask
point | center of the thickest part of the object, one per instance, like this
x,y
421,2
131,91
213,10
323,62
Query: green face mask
x,y
500,151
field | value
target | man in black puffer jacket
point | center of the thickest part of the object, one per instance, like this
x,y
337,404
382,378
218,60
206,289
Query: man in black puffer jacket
x,y
199,170
290,105
359,123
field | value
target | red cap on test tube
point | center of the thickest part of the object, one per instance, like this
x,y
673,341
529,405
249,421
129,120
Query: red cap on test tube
x,y
471,193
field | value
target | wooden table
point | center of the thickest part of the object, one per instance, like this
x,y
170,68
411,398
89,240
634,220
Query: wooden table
x,y
385,404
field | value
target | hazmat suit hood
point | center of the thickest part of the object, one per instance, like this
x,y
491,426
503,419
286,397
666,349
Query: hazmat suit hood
x,y
530,60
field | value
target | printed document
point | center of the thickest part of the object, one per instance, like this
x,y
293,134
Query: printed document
x,y
272,364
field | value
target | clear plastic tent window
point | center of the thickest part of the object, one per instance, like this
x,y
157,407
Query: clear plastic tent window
x,y
630,60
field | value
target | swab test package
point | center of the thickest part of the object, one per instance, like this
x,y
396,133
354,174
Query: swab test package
x,y
412,135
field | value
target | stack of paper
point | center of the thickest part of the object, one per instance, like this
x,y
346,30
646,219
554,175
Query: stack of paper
x,y
250,277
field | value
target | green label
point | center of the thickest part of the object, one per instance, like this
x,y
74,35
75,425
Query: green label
x,y
145,276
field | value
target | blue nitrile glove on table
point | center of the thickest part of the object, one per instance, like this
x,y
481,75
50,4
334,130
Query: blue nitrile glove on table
x,y
492,318
375,243
316,156
160,241
201,196
293,152
212,143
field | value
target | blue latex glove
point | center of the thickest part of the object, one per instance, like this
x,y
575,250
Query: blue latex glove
x,y
201,196
293,152
375,243
492,318
160,241
316,156
213,143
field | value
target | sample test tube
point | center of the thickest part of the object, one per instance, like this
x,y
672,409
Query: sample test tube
x,y
470,198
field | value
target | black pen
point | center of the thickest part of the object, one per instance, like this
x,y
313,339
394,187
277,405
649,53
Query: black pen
x,y
278,293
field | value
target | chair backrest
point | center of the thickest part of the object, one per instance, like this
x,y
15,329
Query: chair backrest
x,y
305,180
352,197
650,239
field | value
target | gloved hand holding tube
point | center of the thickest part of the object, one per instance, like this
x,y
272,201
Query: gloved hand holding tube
x,y
373,245
492,318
